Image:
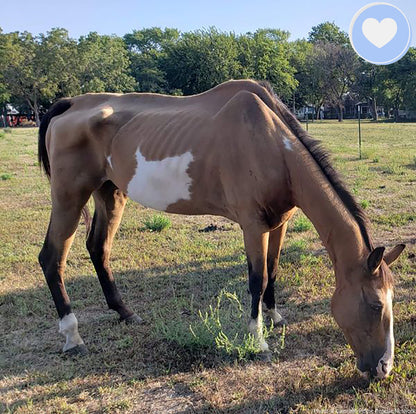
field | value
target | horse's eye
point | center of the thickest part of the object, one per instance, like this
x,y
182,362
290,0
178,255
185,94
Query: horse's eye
x,y
376,307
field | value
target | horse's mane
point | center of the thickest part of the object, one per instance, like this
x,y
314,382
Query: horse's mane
x,y
322,159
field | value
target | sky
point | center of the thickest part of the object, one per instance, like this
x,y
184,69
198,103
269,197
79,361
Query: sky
x,y
80,17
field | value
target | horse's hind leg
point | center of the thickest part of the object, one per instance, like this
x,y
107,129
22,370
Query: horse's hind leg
x,y
109,207
66,211
276,238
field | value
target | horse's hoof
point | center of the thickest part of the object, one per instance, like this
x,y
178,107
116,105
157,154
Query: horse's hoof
x,y
133,319
79,350
265,356
282,322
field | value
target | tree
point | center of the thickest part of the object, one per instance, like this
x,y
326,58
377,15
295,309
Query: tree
x,y
26,71
340,69
328,32
407,67
104,64
399,83
264,55
59,56
36,69
200,60
368,85
147,51
4,94
329,67
300,53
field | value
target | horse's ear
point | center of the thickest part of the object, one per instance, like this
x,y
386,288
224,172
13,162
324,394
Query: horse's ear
x,y
391,256
374,259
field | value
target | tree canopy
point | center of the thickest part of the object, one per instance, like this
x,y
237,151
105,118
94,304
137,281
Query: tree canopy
x,y
36,70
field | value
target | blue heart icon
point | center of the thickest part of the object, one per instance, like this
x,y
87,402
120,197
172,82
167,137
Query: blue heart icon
x,y
380,33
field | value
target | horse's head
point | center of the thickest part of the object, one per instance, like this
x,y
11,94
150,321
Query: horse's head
x,y
362,307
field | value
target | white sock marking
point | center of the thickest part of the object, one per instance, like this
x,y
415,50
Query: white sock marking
x,y
274,315
255,327
68,326
157,184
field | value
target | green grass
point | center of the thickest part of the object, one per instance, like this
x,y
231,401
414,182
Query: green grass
x,y
190,286
221,329
364,204
301,224
157,222
396,219
6,176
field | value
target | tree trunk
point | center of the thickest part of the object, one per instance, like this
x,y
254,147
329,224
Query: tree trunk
x,y
318,110
4,117
34,107
340,113
396,115
373,108
294,102
36,111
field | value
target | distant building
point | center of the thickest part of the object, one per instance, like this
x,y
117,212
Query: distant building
x,y
350,109
407,115
11,117
305,112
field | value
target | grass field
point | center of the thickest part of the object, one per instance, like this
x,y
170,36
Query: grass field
x,y
189,283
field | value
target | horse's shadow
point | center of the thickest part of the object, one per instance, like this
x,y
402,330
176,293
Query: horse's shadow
x,y
30,341
154,293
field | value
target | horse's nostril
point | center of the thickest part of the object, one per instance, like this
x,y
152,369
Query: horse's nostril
x,y
363,366
383,366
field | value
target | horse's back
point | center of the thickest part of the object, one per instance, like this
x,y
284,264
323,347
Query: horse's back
x,y
178,154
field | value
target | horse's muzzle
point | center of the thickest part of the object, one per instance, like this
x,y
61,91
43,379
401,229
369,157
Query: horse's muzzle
x,y
379,370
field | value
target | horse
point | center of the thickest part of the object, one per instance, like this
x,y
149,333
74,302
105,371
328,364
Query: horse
x,y
234,151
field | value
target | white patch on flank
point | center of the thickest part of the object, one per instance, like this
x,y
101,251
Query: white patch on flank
x,y
388,356
288,144
109,161
157,184
68,326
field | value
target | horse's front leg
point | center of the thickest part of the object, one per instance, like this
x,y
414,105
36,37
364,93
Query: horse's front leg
x,y
276,238
256,244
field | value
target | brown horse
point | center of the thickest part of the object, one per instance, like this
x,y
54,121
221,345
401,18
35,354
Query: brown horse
x,y
234,151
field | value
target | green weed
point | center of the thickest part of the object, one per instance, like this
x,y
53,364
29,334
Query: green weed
x,y
295,251
395,219
222,326
6,176
301,224
394,169
157,222
364,204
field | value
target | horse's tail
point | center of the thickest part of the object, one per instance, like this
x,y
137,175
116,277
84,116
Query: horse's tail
x,y
56,109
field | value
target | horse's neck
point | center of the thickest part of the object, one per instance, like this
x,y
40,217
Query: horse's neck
x,y
337,229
